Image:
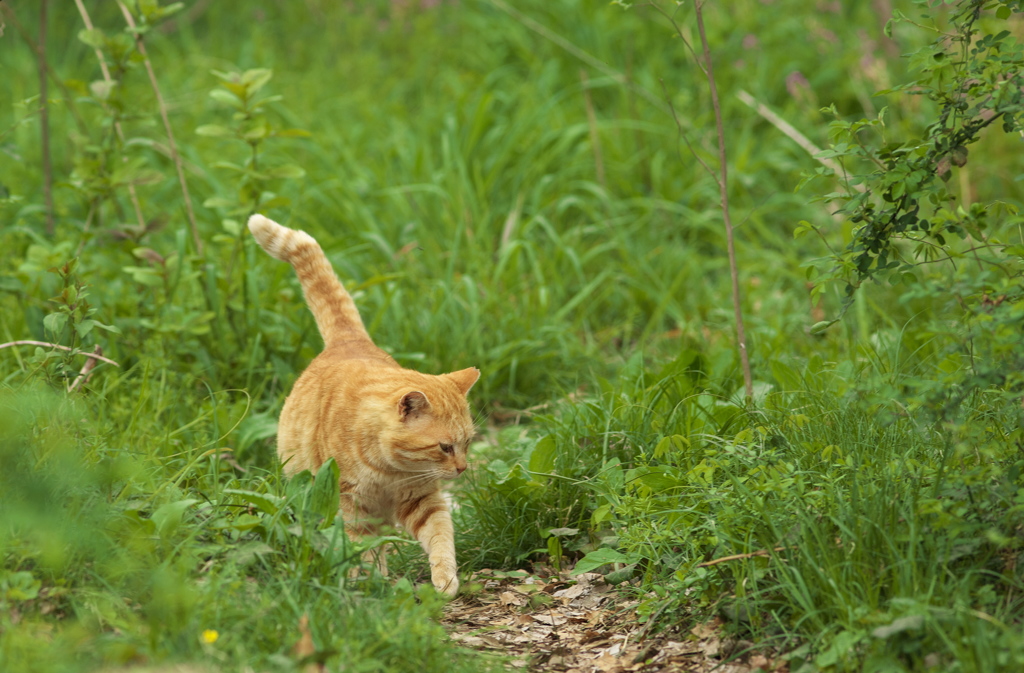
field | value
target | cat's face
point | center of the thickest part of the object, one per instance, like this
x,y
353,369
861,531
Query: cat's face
x,y
431,429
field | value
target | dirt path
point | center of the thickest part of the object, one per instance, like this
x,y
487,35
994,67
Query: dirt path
x,y
583,625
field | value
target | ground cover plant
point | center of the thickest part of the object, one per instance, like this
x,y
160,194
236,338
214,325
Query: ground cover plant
x,y
518,186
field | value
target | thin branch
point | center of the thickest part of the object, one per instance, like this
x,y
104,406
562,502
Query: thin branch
x,y
44,120
117,122
86,372
27,342
682,134
167,125
741,337
740,557
679,31
790,132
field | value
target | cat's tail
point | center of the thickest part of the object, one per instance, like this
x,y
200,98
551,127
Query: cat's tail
x,y
332,306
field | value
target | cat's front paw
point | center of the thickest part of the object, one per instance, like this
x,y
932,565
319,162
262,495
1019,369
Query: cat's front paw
x,y
445,582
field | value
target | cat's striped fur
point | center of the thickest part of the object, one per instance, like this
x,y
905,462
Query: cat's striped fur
x,y
395,433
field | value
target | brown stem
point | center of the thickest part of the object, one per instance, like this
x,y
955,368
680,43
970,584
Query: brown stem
x,y
739,557
44,120
167,125
28,342
117,123
595,139
86,372
741,337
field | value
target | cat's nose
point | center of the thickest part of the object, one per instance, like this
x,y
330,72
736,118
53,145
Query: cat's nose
x,y
460,469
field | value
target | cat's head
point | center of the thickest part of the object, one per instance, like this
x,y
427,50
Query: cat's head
x,y
430,425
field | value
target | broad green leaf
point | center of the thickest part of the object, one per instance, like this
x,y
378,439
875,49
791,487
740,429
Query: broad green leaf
x,y
107,328
255,79
83,328
265,502
598,558
168,517
94,38
227,98
542,458
55,322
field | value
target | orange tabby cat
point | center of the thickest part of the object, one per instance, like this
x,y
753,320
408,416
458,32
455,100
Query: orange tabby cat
x,y
394,433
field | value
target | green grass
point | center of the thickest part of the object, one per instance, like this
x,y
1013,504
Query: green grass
x,y
452,178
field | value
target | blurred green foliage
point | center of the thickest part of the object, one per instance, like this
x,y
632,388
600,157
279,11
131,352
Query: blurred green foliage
x,y
443,155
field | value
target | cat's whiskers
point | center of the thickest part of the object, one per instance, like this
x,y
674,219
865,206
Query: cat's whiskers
x,y
417,477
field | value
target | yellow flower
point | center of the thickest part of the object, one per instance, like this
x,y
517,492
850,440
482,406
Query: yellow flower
x,y
210,636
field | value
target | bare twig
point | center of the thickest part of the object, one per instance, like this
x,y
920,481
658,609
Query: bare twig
x,y
791,133
140,45
28,342
86,373
739,557
117,122
44,120
685,138
595,139
723,190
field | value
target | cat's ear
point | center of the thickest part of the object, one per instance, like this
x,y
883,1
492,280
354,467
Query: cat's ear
x,y
412,404
465,378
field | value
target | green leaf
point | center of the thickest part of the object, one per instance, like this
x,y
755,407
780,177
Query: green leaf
x,y
324,498
94,38
214,131
819,327
19,586
598,558
101,88
542,458
83,328
1003,12
293,133
144,276
286,171
227,98
620,576
258,131
219,202
107,328
265,502
168,517
55,322
255,79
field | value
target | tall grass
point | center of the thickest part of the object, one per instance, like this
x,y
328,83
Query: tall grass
x,y
452,178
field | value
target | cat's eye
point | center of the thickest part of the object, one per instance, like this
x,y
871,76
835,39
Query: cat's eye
x,y
448,448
